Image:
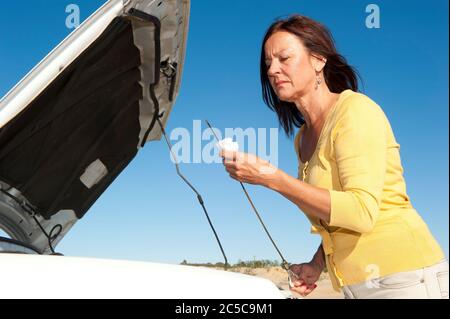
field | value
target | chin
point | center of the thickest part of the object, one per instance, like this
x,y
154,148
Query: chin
x,y
285,97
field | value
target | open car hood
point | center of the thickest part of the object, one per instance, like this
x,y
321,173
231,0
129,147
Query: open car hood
x,y
80,116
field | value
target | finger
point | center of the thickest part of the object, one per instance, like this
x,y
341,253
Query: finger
x,y
309,289
293,276
234,156
230,170
232,165
228,155
299,283
300,289
305,289
228,161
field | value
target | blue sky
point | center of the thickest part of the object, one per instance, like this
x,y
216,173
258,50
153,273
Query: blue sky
x,y
149,214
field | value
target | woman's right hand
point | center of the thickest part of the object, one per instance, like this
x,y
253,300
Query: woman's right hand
x,y
304,277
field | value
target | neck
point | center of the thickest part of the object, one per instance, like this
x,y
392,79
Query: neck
x,y
315,105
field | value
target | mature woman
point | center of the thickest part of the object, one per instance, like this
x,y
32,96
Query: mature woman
x,y
350,181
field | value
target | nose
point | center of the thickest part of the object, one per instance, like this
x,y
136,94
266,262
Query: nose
x,y
273,69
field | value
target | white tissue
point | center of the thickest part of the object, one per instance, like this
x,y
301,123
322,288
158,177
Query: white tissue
x,y
227,144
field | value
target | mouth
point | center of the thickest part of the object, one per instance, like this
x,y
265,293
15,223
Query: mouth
x,y
280,83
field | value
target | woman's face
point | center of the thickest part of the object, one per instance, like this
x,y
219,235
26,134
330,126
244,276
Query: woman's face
x,y
289,66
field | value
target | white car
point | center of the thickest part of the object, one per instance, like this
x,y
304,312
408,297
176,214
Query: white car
x,y
68,129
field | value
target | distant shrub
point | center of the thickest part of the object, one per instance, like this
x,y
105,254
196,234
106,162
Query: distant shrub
x,y
240,264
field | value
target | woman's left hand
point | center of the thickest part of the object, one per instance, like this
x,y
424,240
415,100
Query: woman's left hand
x,y
248,168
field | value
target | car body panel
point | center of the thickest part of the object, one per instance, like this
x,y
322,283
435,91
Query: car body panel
x,y
73,277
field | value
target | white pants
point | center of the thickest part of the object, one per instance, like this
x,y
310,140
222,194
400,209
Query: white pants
x,y
426,283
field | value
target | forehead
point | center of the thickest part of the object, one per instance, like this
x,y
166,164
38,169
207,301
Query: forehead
x,y
281,41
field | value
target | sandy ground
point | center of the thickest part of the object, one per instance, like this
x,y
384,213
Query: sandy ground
x,y
278,276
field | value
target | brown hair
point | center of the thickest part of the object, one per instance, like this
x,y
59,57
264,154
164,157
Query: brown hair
x,y
338,75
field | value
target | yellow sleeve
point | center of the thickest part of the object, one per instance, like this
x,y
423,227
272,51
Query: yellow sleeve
x,y
360,150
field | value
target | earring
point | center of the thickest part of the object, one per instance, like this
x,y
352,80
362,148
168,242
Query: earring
x,y
318,82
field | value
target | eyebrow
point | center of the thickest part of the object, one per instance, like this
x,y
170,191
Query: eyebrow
x,y
276,53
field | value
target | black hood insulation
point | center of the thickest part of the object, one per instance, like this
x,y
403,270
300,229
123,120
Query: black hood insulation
x,y
90,112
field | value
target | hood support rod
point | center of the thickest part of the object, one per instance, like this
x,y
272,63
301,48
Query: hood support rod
x,y
199,197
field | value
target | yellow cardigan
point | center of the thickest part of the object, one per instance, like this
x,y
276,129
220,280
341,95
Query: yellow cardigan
x,y
373,230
